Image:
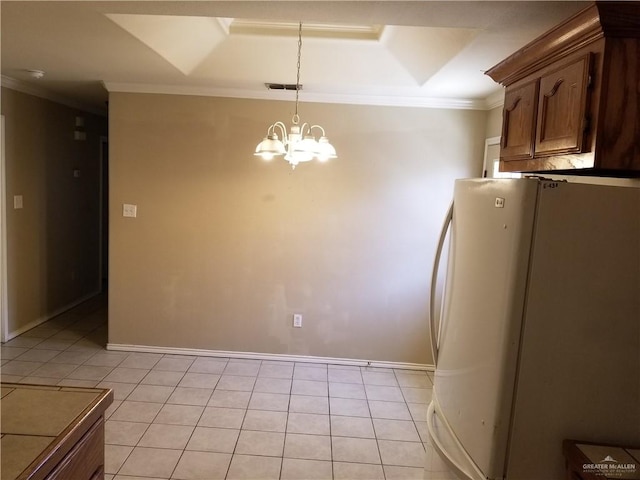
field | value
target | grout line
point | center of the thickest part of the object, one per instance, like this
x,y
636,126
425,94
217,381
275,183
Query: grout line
x,y
333,472
286,424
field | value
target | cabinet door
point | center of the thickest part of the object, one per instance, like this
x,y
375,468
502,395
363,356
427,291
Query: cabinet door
x,y
519,120
562,107
85,458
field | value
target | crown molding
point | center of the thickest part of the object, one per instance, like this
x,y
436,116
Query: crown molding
x,y
374,100
495,100
38,91
225,24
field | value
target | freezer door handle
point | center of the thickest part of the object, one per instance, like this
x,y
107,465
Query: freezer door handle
x,y
433,329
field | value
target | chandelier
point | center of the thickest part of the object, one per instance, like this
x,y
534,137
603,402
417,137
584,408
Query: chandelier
x,y
299,145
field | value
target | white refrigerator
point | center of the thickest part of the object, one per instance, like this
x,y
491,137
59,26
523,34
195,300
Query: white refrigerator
x,y
538,338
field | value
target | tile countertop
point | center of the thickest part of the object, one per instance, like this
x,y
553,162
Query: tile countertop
x,y
36,419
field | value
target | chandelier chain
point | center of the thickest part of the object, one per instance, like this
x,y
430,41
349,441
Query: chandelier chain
x,y
296,117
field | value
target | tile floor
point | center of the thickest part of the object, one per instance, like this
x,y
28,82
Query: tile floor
x,y
196,417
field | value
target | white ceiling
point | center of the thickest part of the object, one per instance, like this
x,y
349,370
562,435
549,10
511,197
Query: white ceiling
x,y
422,53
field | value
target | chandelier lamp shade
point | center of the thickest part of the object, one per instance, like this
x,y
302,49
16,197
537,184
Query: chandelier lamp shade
x,y
299,144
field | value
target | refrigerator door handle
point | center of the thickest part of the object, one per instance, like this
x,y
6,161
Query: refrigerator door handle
x,y
434,332
461,463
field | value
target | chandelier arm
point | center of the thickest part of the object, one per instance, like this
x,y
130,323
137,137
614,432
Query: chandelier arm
x,y
283,130
316,126
302,128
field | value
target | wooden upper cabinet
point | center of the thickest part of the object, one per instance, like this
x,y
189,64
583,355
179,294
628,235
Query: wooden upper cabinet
x,y
572,102
518,125
562,109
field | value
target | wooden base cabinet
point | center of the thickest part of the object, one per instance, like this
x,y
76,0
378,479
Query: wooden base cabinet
x,y
52,432
599,461
572,101
86,458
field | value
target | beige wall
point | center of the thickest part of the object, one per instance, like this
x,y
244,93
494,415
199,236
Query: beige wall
x,y
52,243
226,247
494,122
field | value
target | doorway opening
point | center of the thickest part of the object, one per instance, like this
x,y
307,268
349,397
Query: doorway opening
x,y
491,167
104,214
4,318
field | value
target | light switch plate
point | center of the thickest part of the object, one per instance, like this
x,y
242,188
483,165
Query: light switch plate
x,y
17,202
129,210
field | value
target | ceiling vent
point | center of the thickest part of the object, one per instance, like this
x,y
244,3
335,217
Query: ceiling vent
x,y
282,86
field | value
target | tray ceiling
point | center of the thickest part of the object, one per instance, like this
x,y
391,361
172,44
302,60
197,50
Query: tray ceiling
x,y
384,53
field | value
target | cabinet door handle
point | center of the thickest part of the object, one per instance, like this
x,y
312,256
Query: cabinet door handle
x,y
554,90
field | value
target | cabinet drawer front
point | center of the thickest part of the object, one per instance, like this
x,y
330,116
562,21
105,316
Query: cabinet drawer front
x,y
562,107
519,122
85,459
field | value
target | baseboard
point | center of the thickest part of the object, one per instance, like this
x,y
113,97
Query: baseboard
x,y
46,318
269,356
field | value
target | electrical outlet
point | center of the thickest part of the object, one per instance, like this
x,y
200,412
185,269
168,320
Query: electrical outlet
x,y
297,320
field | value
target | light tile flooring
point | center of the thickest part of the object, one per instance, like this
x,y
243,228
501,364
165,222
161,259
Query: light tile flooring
x,y
196,417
